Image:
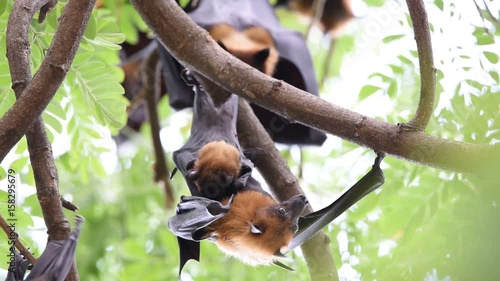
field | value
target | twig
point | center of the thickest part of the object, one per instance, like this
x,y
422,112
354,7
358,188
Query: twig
x,y
10,233
328,60
150,75
318,7
427,70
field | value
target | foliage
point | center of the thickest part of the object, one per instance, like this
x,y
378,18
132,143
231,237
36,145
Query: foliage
x,y
424,223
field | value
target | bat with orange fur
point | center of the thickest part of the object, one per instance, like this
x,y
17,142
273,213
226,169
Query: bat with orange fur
x,y
229,207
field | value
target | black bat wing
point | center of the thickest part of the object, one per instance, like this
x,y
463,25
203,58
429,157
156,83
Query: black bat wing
x,y
20,268
56,260
193,214
180,95
310,224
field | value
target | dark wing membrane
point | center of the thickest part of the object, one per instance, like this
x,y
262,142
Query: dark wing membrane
x,y
19,269
192,215
312,223
55,262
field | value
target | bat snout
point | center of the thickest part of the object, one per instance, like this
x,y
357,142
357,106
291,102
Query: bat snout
x,y
296,206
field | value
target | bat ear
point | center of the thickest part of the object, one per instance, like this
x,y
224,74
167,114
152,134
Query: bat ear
x,y
192,174
222,45
262,55
254,229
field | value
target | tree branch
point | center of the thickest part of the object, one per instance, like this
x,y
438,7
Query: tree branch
x,y
284,185
197,50
42,161
10,234
38,93
426,61
152,92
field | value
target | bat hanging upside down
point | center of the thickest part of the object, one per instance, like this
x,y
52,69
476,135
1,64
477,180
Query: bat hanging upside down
x,y
229,207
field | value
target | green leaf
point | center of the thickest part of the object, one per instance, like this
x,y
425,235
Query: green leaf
x,y
91,30
439,4
3,174
492,57
54,123
396,69
393,89
103,94
3,6
393,38
19,164
56,109
367,91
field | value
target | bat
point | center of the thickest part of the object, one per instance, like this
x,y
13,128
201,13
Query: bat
x,y
228,206
21,265
336,13
55,262
250,30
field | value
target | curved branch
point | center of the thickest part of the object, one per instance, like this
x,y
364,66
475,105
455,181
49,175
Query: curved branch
x,y
284,185
167,20
38,93
426,61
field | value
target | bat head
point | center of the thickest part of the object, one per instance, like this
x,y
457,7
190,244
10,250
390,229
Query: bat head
x,y
217,165
256,227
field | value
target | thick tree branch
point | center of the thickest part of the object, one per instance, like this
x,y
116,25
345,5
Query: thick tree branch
x,y
197,50
426,61
42,161
284,185
38,93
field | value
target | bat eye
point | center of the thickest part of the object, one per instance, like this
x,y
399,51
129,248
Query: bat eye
x,y
281,211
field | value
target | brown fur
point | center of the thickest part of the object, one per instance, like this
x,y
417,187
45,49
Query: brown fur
x,y
245,44
336,13
217,156
233,230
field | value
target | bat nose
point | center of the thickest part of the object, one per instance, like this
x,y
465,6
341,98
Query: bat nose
x,y
303,199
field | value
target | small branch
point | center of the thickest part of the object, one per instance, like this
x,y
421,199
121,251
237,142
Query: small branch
x,y
318,7
284,185
151,89
196,50
427,70
38,93
10,233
